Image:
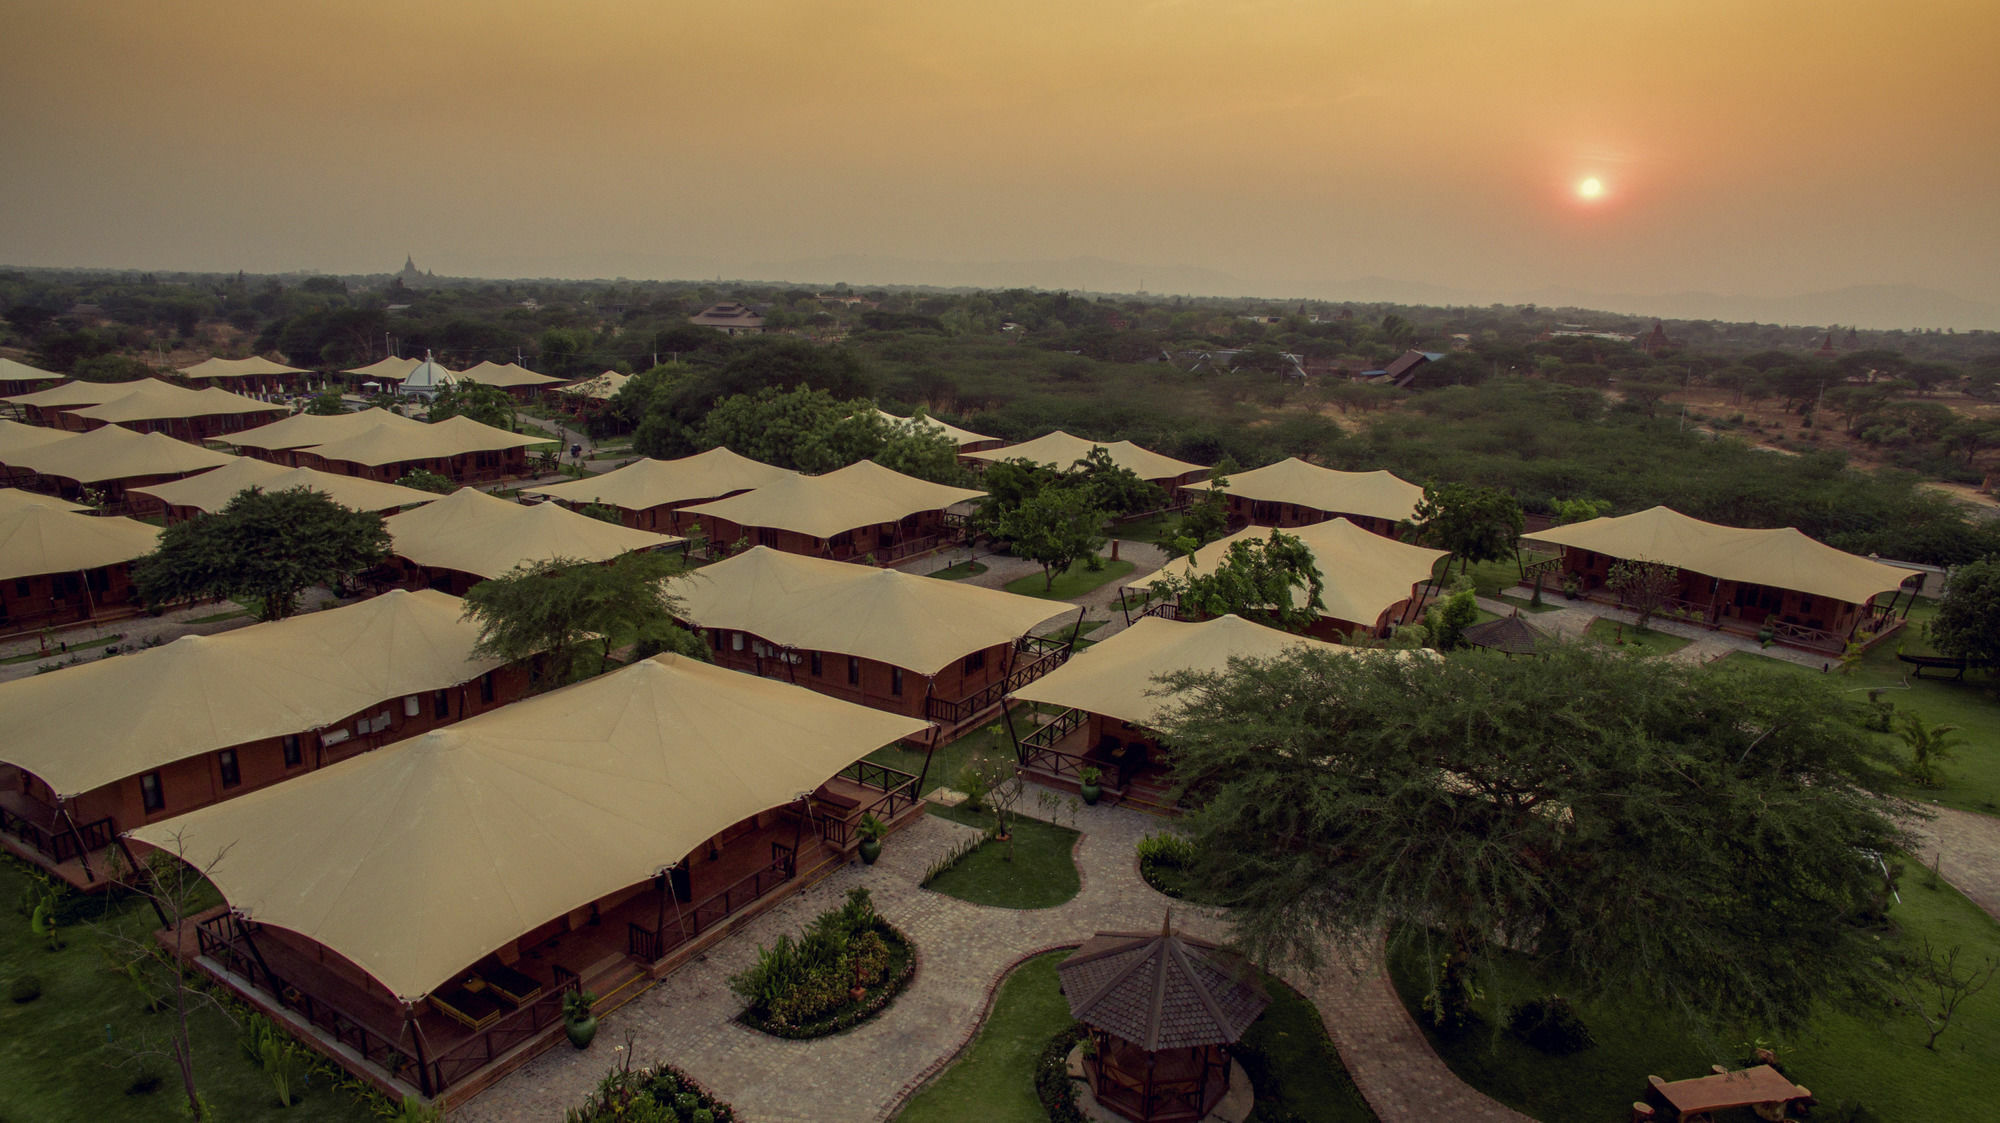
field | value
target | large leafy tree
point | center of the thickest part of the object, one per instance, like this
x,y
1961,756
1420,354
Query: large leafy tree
x,y
573,614
264,548
1967,624
1476,524
488,405
1115,488
1275,579
1055,527
1705,837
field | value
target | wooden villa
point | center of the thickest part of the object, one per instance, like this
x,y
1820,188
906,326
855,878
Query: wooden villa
x,y
651,494
59,566
1100,709
1807,593
211,491
863,512
46,406
152,406
518,382
255,374
112,461
1061,451
965,439
20,378
1371,582
632,820
114,744
455,542
1293,493
937,650
280,441
457,448
16,438
386,373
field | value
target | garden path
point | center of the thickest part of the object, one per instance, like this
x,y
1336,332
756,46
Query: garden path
x,y
1965,846
1705,646
966,950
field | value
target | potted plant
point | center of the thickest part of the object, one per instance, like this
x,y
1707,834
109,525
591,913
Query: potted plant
x,y
1571,586
1087,778
871,831
578,1019
1767,633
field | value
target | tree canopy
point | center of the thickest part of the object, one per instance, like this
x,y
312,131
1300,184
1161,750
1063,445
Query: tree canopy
x,y
488,405
1967,624
1706,837
1476,524
1055,527
265,548
1274,578
574,614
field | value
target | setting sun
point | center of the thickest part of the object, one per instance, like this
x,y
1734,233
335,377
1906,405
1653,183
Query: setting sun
x,y
1590,188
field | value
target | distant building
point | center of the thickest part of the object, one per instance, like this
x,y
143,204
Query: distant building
x,y
1826,350
1404,370
413,278
1656,340
730,318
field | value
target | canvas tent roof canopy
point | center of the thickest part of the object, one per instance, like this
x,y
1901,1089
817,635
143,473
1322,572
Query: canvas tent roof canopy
x,y
473,532
822,605
238,368
212,491
1062,451
115,453
75,394
14,498
415,860
441,440
961,437
504,375
650,483
1378,494
152,400
1781,559
1365,573
11,371
1115,677
862,494
36,538
16,437
304,430
120,717
390,369
603,387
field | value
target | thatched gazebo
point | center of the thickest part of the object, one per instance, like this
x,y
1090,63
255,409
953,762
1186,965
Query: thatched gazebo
x,y
1509,635
1160,1007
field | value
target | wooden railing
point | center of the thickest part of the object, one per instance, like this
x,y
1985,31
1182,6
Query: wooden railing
x,y
59,841
899,792
1165,610
1799,635
651,945
483,1048
1544,567
1038,749
907,548
1047,654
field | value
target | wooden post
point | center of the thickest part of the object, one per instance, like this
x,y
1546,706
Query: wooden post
x,y
82,849
1013,734
798,832
930,749
417,1043
138,872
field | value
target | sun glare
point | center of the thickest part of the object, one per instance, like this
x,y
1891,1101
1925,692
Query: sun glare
x,y
1591,188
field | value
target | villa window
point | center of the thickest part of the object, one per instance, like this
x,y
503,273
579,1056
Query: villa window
x,y
232,773
817,665
151,795
896,681
292,754
853,671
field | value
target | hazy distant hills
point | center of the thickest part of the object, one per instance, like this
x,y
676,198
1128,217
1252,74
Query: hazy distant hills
x,y
1869,306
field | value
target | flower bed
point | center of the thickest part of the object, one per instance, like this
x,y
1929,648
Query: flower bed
x,y
661,1094
847,968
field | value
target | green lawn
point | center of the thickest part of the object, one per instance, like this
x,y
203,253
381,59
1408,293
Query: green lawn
x,y
1293,1066
958,572
1636,642
989,740
994,1079
1877,1059
60,1054
1145,530
1035,871
1074,582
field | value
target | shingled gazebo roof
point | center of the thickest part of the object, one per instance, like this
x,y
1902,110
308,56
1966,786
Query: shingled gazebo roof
x,y
1160,990
1509,634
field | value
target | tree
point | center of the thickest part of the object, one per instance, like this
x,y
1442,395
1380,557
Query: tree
x,y
488,405
326,404
1446,622
263,549
1642,586
1477,524
1967,624
1115,488
1008,484
425,480
555,610
1205,520
1578,510
1274,578
918,449
1928,744
1703,837
1055,527
799,428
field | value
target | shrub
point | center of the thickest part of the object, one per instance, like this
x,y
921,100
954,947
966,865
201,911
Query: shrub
x,y
25,988
661,1094
973,782
1551,1025
801,988
1164,860
1052,1083
870,955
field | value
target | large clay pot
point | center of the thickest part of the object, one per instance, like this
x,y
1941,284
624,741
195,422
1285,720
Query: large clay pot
x,y
871,849
1091,793
581,1031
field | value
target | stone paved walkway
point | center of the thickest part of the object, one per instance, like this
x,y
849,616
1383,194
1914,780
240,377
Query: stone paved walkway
x,y
1966,848
965,950
1705,646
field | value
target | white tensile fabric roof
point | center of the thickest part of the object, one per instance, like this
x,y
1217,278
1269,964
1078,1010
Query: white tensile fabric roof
x,y
650,483
1115,677
76,393
475,533
1377,494
11,371
83,727
862,494
1364,572
504,375
417,859
211,491
36,538
1781,559
962,437
111,452
16,437
819,605
152,400
14,498
391,369
303,430
238,368
394,444
603,387
1061,451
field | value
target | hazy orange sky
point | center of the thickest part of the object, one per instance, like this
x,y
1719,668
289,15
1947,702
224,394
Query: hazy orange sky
x,y
1745,147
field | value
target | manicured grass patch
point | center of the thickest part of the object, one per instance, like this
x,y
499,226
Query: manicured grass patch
x,y
990,741
1293,1065
1082,631
1610,633
1074,582
993,1079
1034,871
1875,1059
56,1062
219,617
1144,530
959,572
1527,604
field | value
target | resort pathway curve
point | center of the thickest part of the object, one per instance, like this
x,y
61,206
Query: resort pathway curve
x,y
1965,846
865,1074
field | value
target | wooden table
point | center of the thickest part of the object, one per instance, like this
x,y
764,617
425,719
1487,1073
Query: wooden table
x,y
1748,1087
